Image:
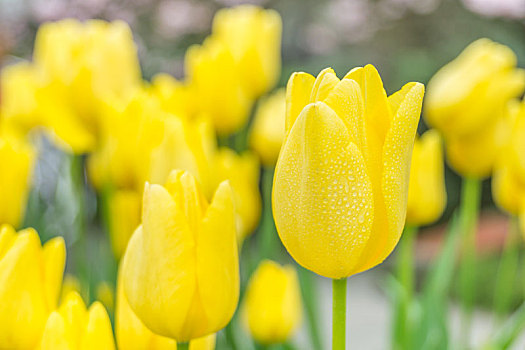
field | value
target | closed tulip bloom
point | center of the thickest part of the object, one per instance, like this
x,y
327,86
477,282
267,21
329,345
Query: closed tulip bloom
x,y
227,106
272,305
181,271
427,195
242,171
17,158
30,278
267,132
253,35
174,96
73,327
466,100
341,180
131,333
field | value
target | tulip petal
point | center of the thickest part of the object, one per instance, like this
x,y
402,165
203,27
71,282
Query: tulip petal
x,y
54,260
98,334
217,260
324,83
55,334
322,196
298,92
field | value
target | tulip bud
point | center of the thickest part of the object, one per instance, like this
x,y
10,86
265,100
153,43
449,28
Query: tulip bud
x,y
253,36
181,272
74,327
341,180
242,171
427,196
17,158
267,132
272,306
466,100
174,96
30,277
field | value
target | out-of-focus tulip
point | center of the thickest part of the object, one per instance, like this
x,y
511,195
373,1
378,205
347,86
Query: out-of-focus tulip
x,y
508,182
341,180
267,132
174,96
70,284
17,158
181,272
466,100
253,36
427,195
243,173
206,66
30,278
84,65
105,293
272,306
73,327
131,333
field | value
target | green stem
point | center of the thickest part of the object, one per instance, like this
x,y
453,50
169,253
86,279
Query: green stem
x,y
310,299
269,244
338,314
468,218
183,346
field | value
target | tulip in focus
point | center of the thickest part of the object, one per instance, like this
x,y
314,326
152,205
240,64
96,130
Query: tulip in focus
x,y
341,180
267,132
427,195
17,159
253,36
30,278
272,306
73,327
466,101
181,270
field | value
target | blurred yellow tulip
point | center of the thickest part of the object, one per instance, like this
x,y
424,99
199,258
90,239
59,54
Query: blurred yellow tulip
x,y
253,36
181,272
242,171
30,278
174,96
17,158
272,306
105,293
267,132
466,100
83,65
70,284
73,327
216,83
427,195
341,180
131,333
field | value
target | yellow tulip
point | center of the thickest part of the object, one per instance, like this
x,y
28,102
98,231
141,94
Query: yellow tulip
x,y
253,36
105,293
267,133
132,334
272,307
242,171
181,272
84,64
174,96
70,284
73,327
17,159
216,83
341,180
466,100
427,195
30,278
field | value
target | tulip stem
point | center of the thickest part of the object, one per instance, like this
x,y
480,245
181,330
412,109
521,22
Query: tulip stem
x,y
338,314
468,218
183,346
269,244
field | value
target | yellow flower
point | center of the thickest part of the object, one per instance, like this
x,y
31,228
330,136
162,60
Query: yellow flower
x,y
17,158
242,171
272,306
73,327
70,284
341,180
253,36
427,196
84,65
216,83
181,272
466,100
131,333
267,132
174,96
30,277
105,293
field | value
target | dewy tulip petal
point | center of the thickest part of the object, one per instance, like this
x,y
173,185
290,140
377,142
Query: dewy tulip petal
x,y
340,186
